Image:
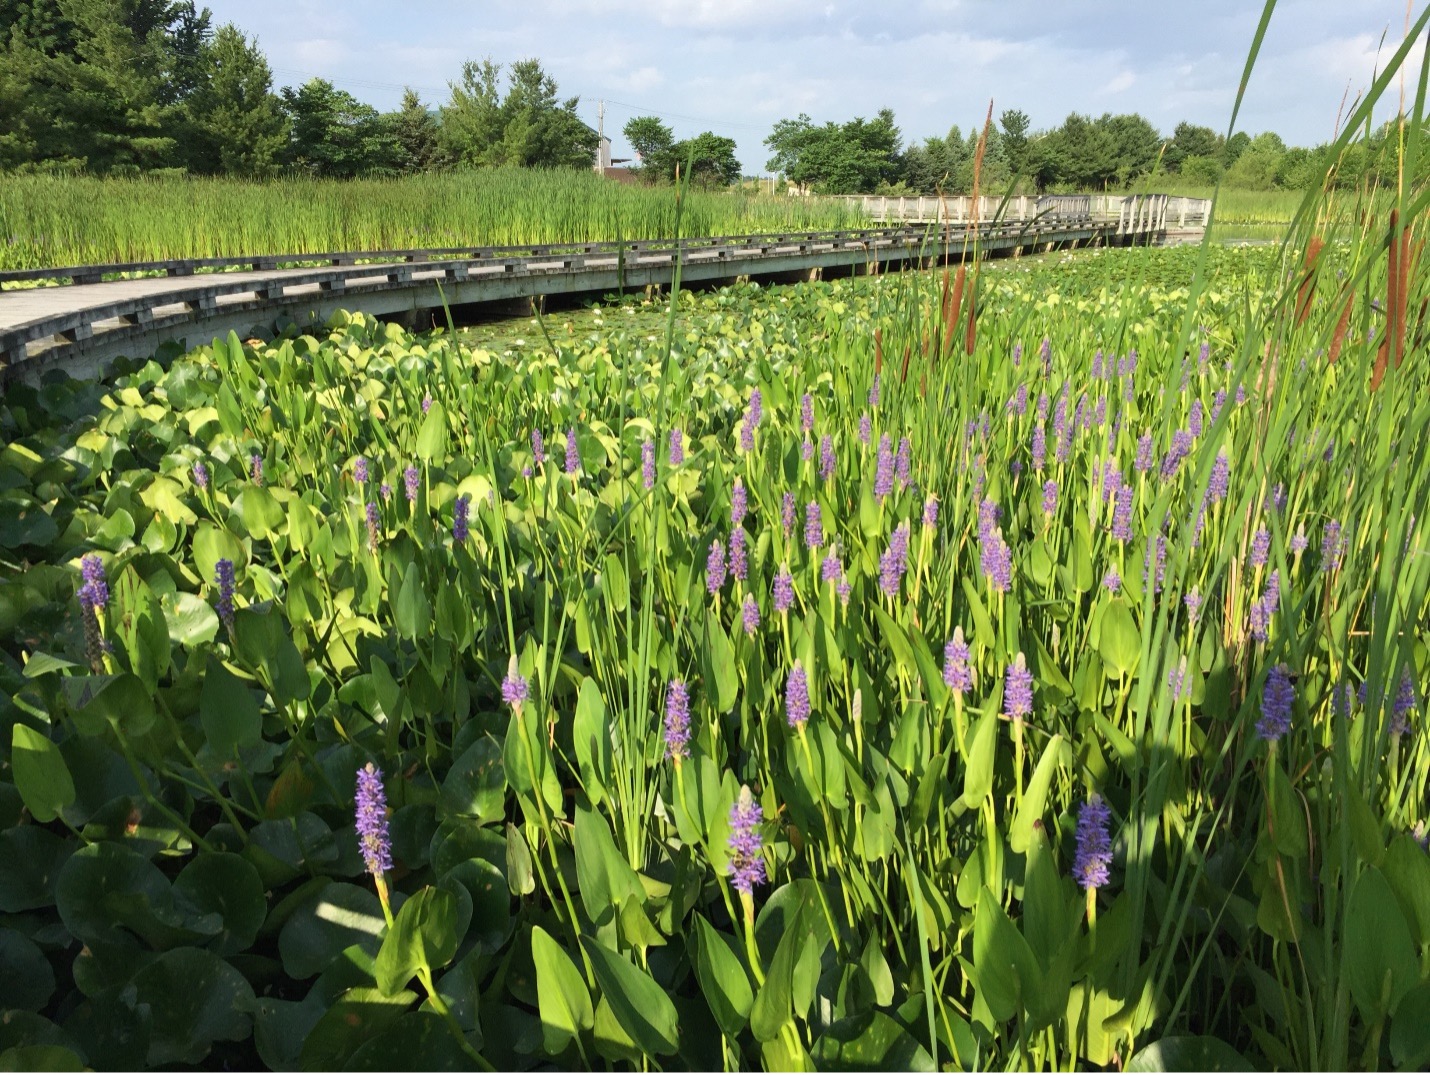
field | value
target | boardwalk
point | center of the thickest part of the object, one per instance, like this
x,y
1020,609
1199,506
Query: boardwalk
x,y
87,322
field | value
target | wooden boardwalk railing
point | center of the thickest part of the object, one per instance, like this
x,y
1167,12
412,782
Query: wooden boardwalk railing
x,y
1171,210
81,324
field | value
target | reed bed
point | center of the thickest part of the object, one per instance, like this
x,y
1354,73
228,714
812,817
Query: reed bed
x,y
48,221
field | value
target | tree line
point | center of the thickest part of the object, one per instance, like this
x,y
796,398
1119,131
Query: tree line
x,y
128,87
1084,153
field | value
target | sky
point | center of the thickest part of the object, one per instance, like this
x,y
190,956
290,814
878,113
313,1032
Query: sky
x,y
735,67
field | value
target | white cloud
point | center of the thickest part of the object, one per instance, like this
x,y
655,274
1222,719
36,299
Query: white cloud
x,y
640,80
1119,83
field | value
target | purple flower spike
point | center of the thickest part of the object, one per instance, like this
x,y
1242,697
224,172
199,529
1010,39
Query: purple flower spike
x,y
1122,514
373,525
223,579
426,404
747,849
903,463
884,468
957,675
1220,479
1332,547
1403,704
930,513
360,474
385,491
677,720
750,614
1050,497
797,697
1260,548
1177,680
676,451
459,519
874,392
538,448
739,557
787,510
1094,844
996,560
827,460
1276,699
751,421
255,468
1040,447
573,454
866,428
813,526
1018,692
739,503
648,464
201,475
806,413
715,567
783,590
1112,581
94,591
1143,463
1193,601
371,819
411,479
895,561
514,688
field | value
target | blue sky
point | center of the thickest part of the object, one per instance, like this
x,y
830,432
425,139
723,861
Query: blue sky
x,y
737,66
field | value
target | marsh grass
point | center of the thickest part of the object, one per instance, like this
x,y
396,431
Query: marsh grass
x,y
87,221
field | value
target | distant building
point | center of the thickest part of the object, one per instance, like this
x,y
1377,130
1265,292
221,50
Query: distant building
x,y
605,163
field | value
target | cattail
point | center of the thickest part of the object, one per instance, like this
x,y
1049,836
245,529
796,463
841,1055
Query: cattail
x,y
955,305
1305,294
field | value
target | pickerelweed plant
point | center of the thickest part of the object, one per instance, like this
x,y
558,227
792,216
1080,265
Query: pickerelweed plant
x,y
1021,727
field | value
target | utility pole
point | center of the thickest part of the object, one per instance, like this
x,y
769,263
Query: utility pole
x,y
601,118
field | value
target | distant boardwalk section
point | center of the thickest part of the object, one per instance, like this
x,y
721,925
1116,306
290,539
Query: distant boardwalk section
x,y
94,314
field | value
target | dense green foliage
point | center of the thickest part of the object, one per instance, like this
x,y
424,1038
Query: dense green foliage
x,y
121,87
78,220
1107,152
183,883
709,157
